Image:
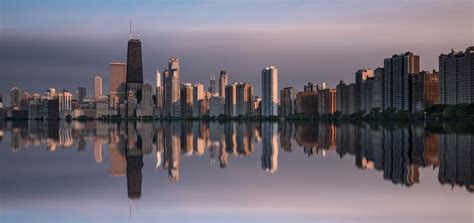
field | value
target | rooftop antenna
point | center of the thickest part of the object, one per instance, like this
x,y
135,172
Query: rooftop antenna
x,y
130,28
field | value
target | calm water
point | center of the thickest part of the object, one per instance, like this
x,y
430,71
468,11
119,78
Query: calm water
x,y
235,172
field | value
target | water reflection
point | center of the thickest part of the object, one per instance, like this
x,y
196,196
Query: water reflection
x,y
399,151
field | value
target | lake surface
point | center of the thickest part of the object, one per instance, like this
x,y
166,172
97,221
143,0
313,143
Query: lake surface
x,y
236,172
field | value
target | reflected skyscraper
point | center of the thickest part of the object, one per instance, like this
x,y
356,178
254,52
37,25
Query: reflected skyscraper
x,y
269,156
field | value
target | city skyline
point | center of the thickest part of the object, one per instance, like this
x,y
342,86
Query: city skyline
x,y
318,45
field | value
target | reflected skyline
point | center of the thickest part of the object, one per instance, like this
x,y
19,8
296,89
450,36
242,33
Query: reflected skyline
x,y
397,151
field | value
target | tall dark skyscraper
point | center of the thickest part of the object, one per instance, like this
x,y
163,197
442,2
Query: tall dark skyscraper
x,y
134,77
134,61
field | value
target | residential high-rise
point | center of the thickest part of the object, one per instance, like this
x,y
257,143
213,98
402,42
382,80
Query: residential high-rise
x,y
81,94
270,91
97,86
287,98
222,83
425,90
307,103
186,100
342,98
327,101
377,91
397,85
456,73
231,99
366,94
212,84
361,76
15,97
244,99
117,79
198,96
172,87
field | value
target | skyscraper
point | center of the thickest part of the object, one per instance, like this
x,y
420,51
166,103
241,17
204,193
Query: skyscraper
x,y
186,100
397,85
327,101
15,97
270,91
117,80
198,95
173,83
377,92
81,93
287,98
166,108
425,90
231,99
342,98
97,86
212,84
159,91
134,79
361,76
244,99
456,71
222,82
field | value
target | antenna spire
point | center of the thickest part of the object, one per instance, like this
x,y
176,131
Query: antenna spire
x,y
130,28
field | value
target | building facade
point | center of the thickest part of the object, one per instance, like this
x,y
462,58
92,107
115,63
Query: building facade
x,y
287,98
117,80
456,73
425,90
397,85
223,80
244,99
270,91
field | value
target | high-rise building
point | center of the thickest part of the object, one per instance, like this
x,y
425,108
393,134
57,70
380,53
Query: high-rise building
x,y
377,91
15,97
342,98
456,73
97,86
223,80
270,91
327,101
212,84
198,97
117,80
307,103
134,77
425,90
159,91
166,108
216,106
186,100
231,99
173,91
397,85
81,94
361,76
147,96
366,94
287,98
244,99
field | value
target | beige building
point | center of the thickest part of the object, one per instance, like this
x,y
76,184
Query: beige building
x,y
117,78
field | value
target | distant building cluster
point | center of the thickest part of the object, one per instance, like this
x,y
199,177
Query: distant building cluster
x,y
399,85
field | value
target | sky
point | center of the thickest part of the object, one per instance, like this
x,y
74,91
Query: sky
x,y
65,43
